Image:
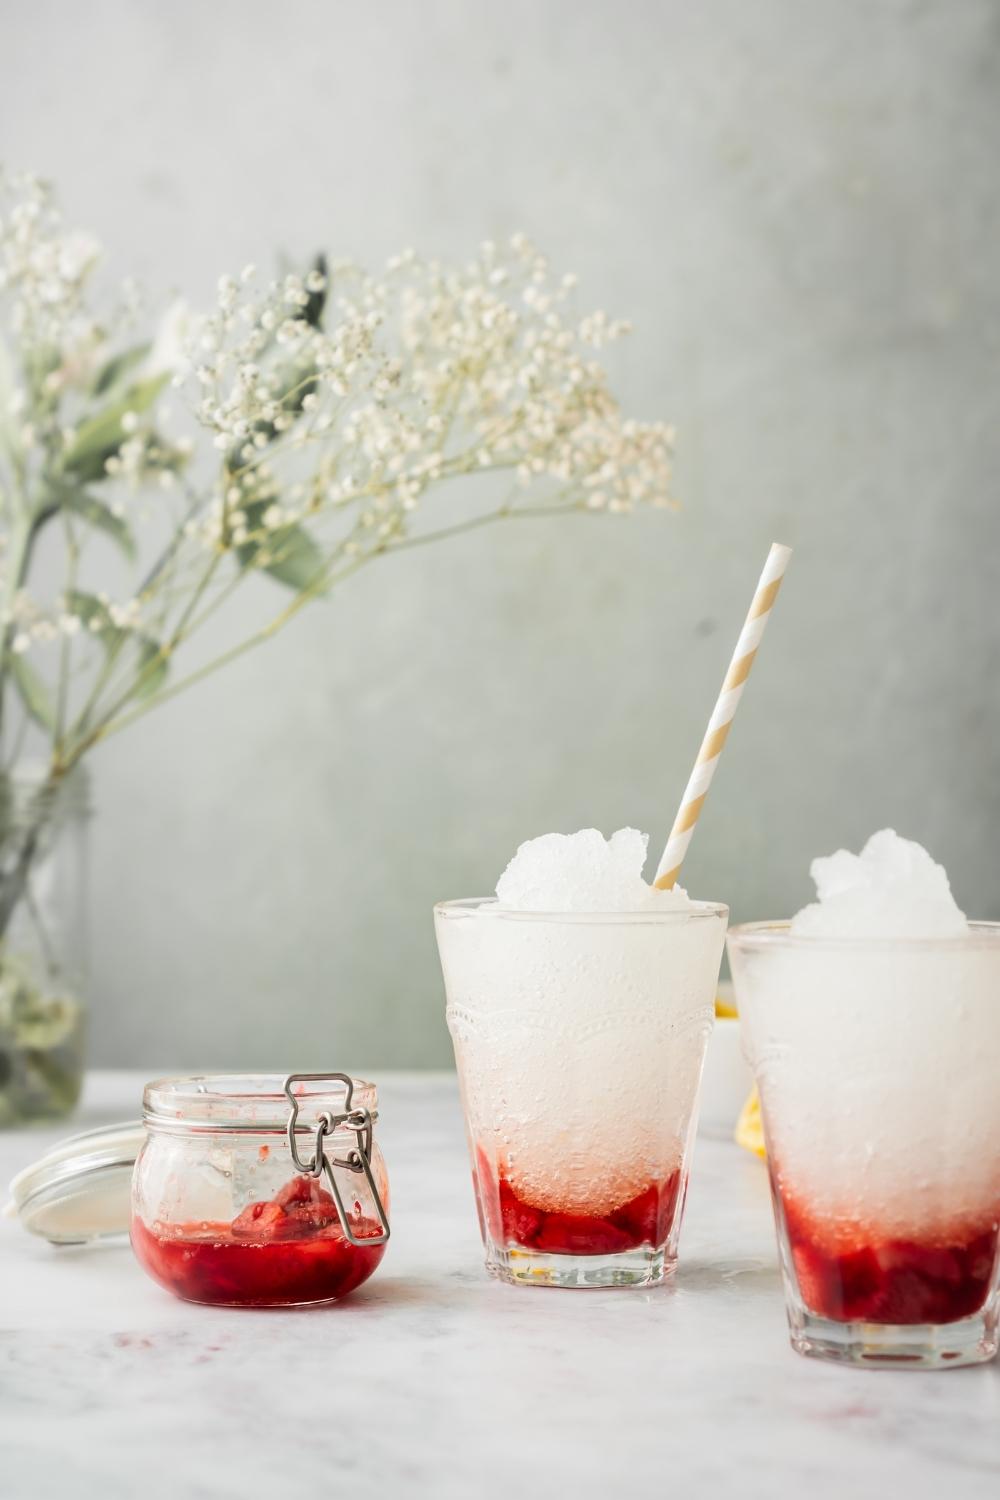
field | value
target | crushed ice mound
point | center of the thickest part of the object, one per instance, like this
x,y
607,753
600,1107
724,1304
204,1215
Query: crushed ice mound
x,y
891,889
584,872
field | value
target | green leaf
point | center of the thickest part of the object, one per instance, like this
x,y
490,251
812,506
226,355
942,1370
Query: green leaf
x,y
301,383
96,619
150,678
103,518
297,383
34,693
95,513
114,370
160,455
94,615
312,313
287,553
99,439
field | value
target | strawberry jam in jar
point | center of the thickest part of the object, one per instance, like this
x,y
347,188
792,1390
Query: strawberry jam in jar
x,y
255,1190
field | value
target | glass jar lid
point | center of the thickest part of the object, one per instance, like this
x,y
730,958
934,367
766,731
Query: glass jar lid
x,y
79,1191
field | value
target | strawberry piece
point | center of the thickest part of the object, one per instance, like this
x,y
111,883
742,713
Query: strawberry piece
x,y
506,1218
580,1234
648,1218
853,1284
484,1185
261,1221
303,1190
521,1222
889,1281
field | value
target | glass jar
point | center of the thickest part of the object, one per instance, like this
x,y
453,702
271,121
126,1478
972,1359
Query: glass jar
x,y
44,821
258,1191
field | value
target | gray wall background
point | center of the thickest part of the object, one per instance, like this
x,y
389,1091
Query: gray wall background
x,y
798,206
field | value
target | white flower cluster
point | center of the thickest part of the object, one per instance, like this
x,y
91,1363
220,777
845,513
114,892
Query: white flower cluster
x,y
334,402
411,379
44,267
29,621
59,350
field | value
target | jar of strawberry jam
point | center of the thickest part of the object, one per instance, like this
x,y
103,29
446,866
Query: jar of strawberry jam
x,y
258,1190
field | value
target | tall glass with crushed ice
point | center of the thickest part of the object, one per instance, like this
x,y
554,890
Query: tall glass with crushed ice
x,y
580,1002
872,1022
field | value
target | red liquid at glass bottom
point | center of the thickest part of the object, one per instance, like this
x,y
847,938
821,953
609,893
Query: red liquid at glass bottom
x,y
876,1279
646,1219
282,1253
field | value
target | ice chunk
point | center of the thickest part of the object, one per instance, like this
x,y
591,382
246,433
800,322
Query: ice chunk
x,y
893,888
584,872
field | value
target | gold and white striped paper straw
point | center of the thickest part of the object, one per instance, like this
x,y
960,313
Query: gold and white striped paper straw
x,y
722,715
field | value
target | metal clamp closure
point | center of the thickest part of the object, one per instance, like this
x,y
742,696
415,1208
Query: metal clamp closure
x,y
357,1160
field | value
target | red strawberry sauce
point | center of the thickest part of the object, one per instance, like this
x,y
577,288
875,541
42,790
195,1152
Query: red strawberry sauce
x,y
869,1278
646,1219
276,1254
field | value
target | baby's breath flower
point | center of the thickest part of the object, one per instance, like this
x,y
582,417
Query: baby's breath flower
x,y
329,405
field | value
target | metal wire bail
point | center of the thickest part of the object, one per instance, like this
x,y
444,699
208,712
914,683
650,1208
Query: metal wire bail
x,y
357,1160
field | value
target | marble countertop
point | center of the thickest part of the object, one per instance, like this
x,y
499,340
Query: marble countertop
x,y
434,1381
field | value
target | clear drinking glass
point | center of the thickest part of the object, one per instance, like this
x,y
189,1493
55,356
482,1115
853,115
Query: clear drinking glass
x,y
878,1066
579,1040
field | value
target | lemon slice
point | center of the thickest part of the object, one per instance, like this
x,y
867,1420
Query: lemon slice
x,y
724,1009
749,1130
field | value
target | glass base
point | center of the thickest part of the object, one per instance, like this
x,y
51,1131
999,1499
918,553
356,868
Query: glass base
x,y
641,1267
896,1346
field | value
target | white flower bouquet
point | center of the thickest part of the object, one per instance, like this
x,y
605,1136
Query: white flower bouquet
x,y
300,429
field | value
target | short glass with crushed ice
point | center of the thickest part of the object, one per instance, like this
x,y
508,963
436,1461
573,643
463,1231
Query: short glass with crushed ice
x,y
877,1057
580,1039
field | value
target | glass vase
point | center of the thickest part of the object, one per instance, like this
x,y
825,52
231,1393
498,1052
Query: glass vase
x,y
43,942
